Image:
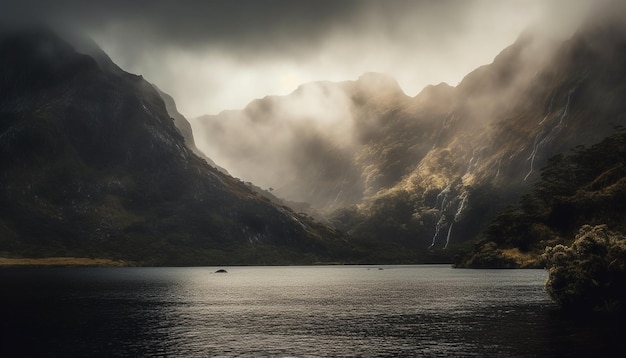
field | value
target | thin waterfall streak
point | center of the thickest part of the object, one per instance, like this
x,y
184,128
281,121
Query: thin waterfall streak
x,y
566,109
444,195
498,171
434,237
569,97
437,229
461,206
549,110
469,165
531,168
532,157
552,134
473,164
448,237
535,146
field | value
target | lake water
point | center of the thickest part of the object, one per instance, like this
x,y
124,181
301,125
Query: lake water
x,y
319,311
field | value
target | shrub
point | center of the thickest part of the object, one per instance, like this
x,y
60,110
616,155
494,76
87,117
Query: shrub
x,y
591,273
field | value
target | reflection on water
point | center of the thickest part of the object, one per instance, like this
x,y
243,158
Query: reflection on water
x,y
430,311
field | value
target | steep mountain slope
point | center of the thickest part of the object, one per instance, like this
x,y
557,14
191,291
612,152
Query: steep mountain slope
x,y
327,144
507,119
92,164
184,128
431,170
85,45
585,187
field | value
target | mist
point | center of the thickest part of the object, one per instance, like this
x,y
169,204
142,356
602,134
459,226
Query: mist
x,y
314,137
416,42
219,55
277,140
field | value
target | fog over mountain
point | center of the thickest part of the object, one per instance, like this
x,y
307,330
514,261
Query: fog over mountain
x,y
450,157
96,162
317,134
409,124
217,55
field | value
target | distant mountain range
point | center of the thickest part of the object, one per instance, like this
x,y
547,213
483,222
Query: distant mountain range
x,y
422,173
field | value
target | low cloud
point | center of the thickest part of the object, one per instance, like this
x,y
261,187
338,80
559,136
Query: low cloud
x,y
216,55
271,140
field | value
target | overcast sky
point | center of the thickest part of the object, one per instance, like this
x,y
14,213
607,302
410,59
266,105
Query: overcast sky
x,y
217,55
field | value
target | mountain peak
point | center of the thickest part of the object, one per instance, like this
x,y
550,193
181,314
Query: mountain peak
x,y
379,82
34,59
436,91
93,165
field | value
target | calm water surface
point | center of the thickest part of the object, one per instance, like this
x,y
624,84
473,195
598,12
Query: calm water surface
x,y
319,311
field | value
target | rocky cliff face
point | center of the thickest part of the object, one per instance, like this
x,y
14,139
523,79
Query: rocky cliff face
x,y
93,164
434,169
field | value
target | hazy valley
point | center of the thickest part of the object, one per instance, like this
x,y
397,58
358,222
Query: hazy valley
x,y
426,173
310,178
98,162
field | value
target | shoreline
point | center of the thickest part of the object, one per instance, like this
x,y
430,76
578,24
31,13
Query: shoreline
x,y
63,262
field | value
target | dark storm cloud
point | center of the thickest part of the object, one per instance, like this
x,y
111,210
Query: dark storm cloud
x,y
215,55
269,27
191,22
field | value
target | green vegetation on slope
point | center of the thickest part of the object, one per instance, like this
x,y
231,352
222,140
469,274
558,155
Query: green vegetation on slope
x,y
586,187
591,273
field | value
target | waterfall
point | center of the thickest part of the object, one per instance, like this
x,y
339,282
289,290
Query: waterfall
x,y
471,161
448,237
549,109
463,198
443,194
440,223
552,133
447,216
498,170
533,154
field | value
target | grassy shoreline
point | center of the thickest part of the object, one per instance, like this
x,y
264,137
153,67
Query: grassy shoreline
x,y
63,262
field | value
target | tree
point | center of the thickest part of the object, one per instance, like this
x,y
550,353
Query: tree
x,y
591,273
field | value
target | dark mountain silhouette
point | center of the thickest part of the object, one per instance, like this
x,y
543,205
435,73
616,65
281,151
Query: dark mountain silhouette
x,y
85,45
94,163
423,172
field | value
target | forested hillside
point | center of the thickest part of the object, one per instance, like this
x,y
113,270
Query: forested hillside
x,y
584,187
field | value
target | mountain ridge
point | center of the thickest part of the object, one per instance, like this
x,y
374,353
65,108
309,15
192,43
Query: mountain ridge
x,y
422,169
97,161
93,165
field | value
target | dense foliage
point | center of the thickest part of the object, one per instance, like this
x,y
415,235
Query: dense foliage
x,y
591,273
586,187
